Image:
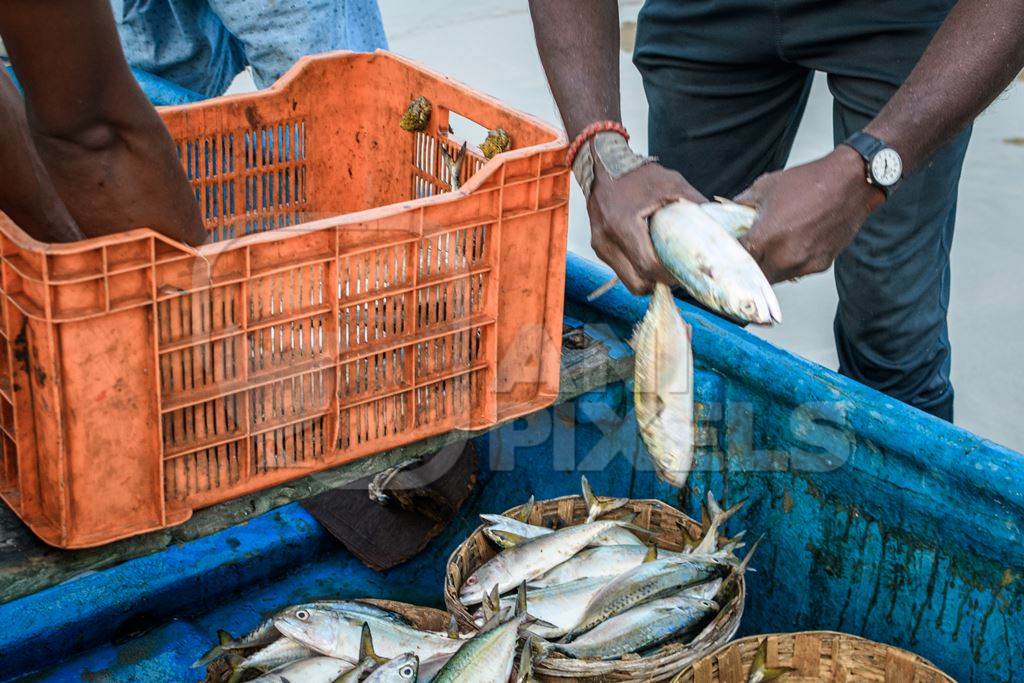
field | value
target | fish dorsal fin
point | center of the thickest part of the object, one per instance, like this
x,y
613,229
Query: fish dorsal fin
x,y
521,599
366,646
652,553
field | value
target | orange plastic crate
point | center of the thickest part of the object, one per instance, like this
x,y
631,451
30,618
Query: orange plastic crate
x,y
351,304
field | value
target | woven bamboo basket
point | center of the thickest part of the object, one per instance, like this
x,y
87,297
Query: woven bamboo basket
x,y
424,618
817,656
667,523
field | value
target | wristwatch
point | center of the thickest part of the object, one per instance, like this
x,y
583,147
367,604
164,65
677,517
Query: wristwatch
x,y
883,165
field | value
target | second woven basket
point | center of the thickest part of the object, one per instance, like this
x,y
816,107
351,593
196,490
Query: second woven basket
x,y
823,656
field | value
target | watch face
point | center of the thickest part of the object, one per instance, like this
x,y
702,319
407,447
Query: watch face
x,y
886,167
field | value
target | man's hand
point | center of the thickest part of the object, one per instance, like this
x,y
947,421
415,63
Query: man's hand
x,y
808,214
619,209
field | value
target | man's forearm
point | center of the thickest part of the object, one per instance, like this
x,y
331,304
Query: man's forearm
x,y
578,44
971,59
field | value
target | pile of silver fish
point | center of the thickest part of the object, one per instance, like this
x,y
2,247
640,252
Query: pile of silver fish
x,y
597,590
349,641
593,590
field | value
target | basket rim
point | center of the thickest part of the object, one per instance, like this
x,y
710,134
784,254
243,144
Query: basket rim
x,y
922,661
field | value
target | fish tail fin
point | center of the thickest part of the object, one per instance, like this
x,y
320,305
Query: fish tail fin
x,y
217,651
597,508
652,553
504,538
526,510
366,646
453,627
717,517
237,671
541,648
524,669
491,603
759,665
521,599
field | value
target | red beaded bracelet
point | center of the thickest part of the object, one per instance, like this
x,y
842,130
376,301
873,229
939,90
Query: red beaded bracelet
x,y
589,132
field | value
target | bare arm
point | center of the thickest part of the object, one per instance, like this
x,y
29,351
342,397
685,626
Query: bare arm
x,y
578,42
26,194
972,58
107,152
974,55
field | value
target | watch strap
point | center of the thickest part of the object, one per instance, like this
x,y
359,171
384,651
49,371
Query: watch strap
x,y
867,145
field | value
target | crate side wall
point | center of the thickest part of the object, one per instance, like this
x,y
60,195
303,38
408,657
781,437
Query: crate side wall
x,y
110,408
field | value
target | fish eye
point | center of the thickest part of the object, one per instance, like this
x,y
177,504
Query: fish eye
x,y
302,615
471,580
748,307
406,672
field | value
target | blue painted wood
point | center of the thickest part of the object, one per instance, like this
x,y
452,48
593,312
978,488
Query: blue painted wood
x,y
879,521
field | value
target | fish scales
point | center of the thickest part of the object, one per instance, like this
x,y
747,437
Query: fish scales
x,y
663,387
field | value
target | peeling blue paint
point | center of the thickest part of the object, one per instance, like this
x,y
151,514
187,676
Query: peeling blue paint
x,y
880,521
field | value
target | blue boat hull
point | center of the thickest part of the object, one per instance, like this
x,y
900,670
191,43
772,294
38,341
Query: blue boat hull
x,y
879,521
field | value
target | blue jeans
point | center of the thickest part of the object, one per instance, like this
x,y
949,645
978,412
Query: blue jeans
x,y
727,82
203,44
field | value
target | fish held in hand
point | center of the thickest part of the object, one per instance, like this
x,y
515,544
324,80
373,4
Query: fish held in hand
x,y
663,387
715,268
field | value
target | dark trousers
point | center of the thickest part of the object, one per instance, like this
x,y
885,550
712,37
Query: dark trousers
x,y
727,82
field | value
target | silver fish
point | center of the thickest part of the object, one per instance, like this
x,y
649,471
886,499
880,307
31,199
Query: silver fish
x,y
737,219
487,657
402,669
561,606
644,626
604,561
646,582
506,533
531,559
338,635
663,387
280,652
266,633
310,670
711,264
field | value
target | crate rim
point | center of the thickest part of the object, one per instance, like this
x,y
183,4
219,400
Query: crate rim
x,y
558,141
